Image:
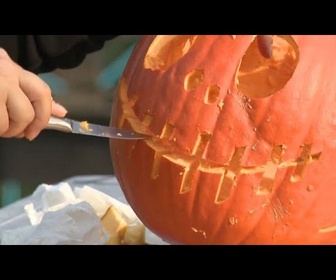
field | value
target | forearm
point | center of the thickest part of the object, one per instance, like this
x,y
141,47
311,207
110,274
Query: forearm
x,y
45,53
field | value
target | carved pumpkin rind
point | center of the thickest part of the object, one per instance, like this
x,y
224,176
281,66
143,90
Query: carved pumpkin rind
x,y
243,145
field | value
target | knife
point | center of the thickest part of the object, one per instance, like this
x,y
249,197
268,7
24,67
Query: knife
x,y
85,128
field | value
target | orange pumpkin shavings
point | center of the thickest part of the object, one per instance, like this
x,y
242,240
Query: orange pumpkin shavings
x,y
85,126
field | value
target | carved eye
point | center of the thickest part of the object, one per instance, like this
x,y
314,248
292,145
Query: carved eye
x,y
267,66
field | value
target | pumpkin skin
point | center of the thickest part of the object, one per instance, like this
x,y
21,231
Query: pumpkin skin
x,y
243,146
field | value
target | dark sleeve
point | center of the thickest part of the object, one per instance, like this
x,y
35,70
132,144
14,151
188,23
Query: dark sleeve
x,y
45,53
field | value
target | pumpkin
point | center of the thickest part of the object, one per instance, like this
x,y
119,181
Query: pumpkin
x,y
243,139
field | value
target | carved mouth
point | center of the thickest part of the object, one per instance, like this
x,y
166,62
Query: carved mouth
x,y
192,161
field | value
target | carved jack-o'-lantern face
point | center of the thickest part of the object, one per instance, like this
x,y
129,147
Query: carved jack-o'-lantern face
x,y
243,141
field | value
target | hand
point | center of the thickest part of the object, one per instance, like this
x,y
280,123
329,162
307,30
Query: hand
x,y
26,102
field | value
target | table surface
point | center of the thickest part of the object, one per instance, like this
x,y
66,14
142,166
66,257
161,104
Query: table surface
x,y
13,215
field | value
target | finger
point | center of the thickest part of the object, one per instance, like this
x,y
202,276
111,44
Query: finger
x,y
4,120
39,94
265,45
3,53
20,135
20,113
58,110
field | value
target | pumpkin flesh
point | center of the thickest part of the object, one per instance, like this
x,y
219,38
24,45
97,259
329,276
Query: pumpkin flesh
x,y
242,148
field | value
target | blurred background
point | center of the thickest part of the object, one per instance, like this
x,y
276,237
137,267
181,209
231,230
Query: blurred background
x,y
87,92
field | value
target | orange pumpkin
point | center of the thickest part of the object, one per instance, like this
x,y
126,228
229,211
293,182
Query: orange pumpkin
x,y
243,145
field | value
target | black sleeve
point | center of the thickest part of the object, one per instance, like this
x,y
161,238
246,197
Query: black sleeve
x,y
45,53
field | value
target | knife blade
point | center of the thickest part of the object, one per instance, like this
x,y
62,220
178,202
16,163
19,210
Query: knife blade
x,y
85,128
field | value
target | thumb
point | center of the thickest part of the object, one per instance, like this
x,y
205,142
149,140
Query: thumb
x,y
58,110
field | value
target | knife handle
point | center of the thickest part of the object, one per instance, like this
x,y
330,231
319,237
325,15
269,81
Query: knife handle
x,y
59,124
